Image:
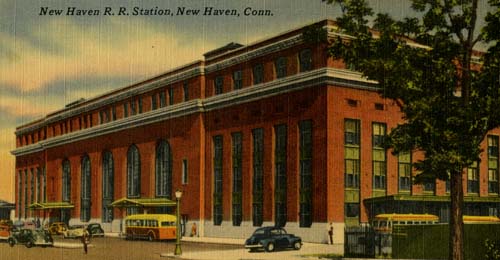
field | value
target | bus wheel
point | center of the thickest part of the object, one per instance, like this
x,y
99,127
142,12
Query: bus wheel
x,y
151,236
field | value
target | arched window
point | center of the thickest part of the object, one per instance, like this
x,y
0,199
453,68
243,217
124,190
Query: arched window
x,y
108,175
133,172
66,181
85,191
163,170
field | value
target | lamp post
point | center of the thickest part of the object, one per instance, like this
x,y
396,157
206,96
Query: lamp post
x,y
178,250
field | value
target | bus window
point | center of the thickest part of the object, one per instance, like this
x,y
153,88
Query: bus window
x,y
383,224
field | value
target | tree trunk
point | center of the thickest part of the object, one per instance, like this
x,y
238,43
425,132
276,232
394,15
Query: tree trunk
x,y
456,243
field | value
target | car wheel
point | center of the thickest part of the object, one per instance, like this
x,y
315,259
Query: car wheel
x,y
270,247
12,242
29,244
297,245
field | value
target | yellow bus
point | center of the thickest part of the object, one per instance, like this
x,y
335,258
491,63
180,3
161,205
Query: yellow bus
x,y
481,219
385,222
150,226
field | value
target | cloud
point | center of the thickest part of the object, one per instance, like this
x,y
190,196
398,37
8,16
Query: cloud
x,y
130,49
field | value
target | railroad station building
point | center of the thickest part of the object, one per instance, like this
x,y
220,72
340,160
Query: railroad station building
x,y
272,133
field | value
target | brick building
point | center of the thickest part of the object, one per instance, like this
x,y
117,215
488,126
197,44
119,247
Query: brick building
x,y
275,132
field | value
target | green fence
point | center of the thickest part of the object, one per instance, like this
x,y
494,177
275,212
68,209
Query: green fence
x,y
431,241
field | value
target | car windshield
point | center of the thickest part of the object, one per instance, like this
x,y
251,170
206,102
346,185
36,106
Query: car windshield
x,y
259,231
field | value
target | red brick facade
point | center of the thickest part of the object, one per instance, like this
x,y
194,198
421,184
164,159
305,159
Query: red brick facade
x,y
325,94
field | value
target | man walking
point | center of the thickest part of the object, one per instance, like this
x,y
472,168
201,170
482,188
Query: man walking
x,y
85,240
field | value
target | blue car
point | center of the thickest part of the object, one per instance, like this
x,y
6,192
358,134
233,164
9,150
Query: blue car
x,y
270,238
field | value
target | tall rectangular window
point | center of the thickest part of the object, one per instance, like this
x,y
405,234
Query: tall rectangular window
x,y
351,152
19,194
493,164
280,188
26,194
218,188
305,60
171,96
140,104
133,108
473,178
404,171
379,156
44,184
258,176
280,67
38,185
163,99
32,186
113,113
237,80
154,103
218,85
258,74
185,89
305,171
125,109
184,171
237,178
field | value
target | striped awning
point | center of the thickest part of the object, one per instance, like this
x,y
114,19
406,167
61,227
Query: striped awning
x,y
51,205
142,202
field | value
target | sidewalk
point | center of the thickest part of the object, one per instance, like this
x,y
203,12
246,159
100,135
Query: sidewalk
x,y
308,251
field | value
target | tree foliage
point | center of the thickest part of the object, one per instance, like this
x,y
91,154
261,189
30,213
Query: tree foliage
x,y
448,93
424,64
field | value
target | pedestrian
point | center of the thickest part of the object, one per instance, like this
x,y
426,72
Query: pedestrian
x,y
193,229
37,223
85,240
330,233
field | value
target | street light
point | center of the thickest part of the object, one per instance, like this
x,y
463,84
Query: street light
x,y
178,250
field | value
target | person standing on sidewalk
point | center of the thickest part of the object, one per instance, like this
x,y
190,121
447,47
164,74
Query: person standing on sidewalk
x,y
85,240
330,233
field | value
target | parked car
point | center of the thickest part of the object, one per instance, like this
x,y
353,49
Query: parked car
x,y
57,228
30,237
95,230
270,238
73,231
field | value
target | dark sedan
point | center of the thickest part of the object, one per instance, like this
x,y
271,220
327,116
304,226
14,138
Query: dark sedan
x,y
270,238
95,230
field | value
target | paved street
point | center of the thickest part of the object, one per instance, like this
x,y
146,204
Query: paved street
x,y
111,248
104,248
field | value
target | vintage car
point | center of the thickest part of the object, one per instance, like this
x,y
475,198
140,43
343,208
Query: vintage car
x,y
30,237
73,231
95,230
57,228
270,238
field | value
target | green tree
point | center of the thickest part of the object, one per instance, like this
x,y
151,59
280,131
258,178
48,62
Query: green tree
x,y
428,66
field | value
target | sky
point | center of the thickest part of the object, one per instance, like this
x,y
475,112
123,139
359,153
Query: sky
x,y
49,60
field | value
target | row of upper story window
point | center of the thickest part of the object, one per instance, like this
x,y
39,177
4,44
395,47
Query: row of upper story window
x,y
352,137
219,82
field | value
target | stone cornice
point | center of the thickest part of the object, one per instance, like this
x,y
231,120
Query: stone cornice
x,y
323,76
99,102
274,47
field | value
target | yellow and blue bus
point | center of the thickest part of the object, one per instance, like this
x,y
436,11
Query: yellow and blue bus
x,y
385,222
150,226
